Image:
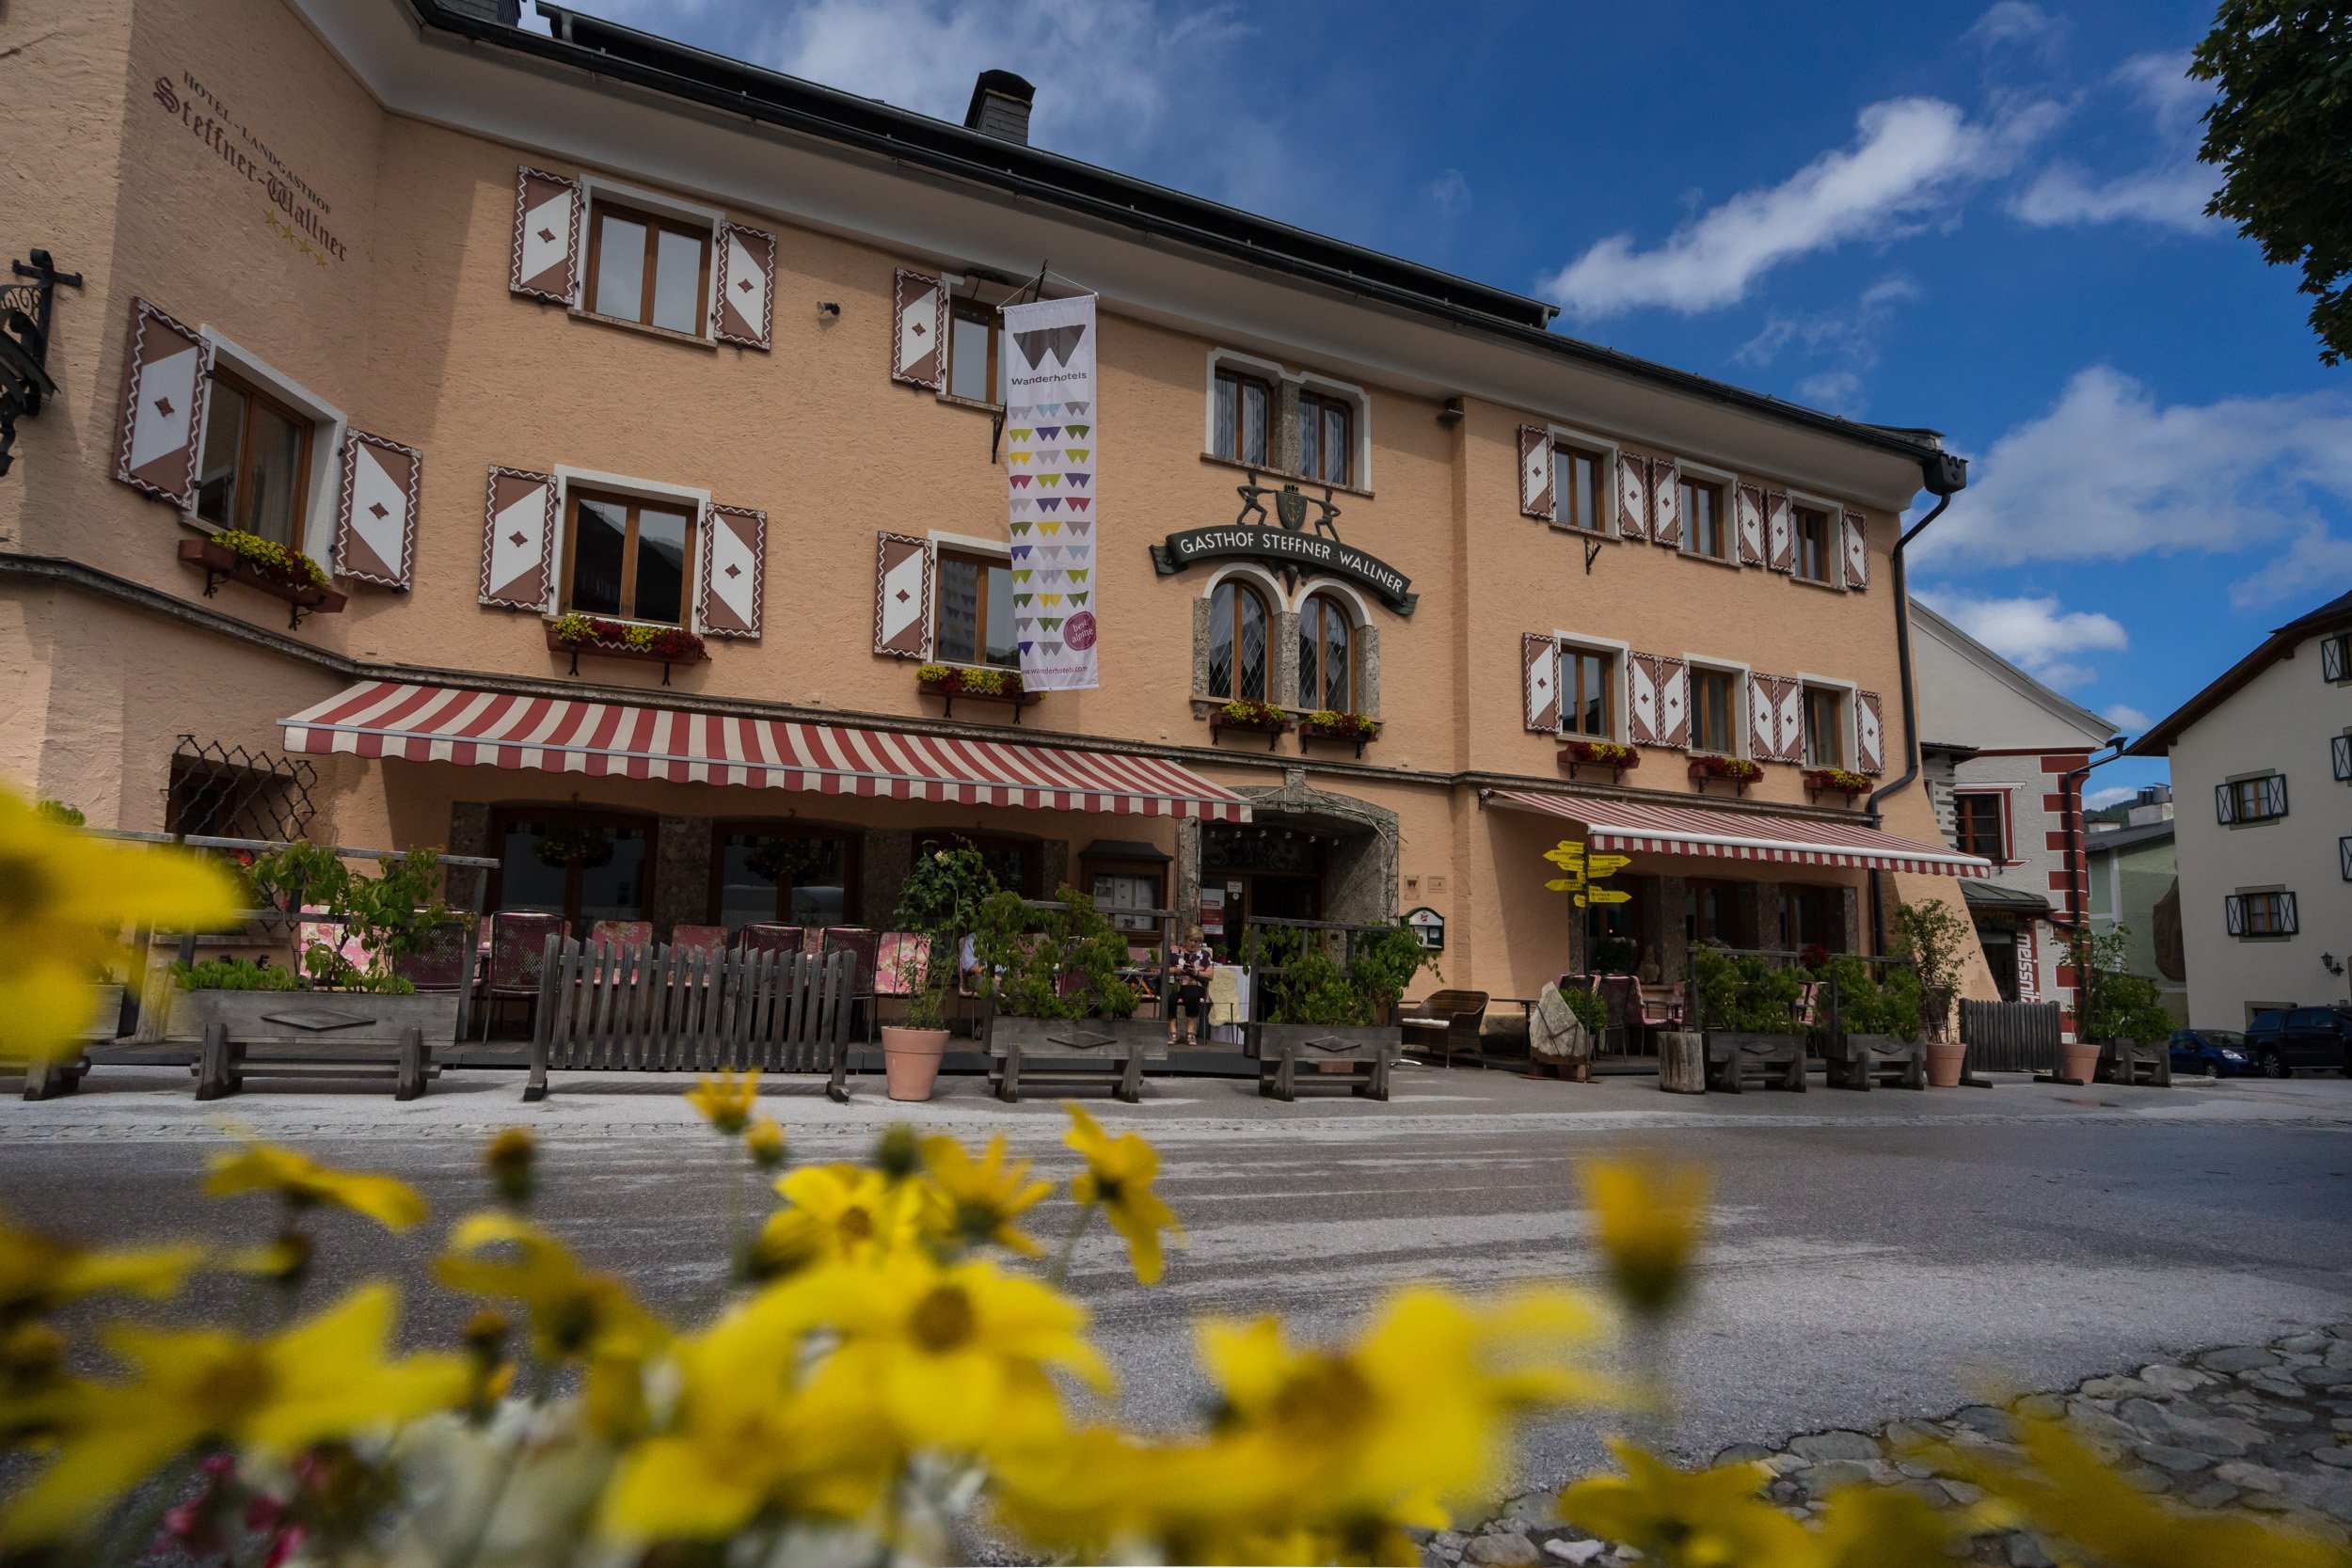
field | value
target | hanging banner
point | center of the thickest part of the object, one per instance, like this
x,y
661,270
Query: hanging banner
x,y
1050,441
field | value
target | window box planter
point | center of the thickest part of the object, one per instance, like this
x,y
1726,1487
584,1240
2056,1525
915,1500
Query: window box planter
x,y
1836,780
1619,760
952,681
589,634
1737,771
1361,1055
1730,1056
224,562
1338,729
1062,1053
1252,718
342,1035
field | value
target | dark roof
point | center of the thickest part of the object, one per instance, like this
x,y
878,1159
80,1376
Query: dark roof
x,y
2126,838
1994,898
628,54
2335,615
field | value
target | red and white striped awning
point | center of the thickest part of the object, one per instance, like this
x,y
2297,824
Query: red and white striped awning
x,y
1627,826
491,729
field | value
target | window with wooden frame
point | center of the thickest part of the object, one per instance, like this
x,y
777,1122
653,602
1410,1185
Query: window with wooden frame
x,y
2261,914
1576,489
774,872
255,470
1980,823
1824,726
583,866
1810,533
1714,711
647,268
1327,438
974,368
2260,798
625,555
1327,655
1241,417
1238,642
1588,692
975,610
1703,518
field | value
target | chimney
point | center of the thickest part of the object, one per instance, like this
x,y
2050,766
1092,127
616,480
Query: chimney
x,y
1000,107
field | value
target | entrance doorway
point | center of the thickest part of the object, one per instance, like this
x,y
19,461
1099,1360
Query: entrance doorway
x,y
1256,872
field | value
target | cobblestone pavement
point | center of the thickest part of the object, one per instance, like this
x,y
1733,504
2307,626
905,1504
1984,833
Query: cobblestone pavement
x,y
2263,1428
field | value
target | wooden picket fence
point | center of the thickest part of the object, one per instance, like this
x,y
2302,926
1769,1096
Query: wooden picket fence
x,y
645,1008
2011,1036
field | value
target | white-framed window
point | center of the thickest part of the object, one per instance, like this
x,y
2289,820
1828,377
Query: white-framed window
x,y
268,460
1718,707
1584,482
649,259
1709,530
1337,449
1813,540
971,602
626,549
975,369
2261,914
1980,823
1592,687
1257,412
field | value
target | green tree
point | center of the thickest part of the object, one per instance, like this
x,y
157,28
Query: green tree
x,y
2282,133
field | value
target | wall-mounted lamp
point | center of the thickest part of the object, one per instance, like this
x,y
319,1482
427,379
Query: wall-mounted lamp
x,y
2332,964
828,307
1452,412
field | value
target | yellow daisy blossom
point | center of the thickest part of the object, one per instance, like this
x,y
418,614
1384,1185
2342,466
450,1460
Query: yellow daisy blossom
x,y
40,1274
325,1378
1650,1216
837,1211
66,898
303,1182
728,1100
574,1313
764,1143
969,1202
1119,1176
1687,1518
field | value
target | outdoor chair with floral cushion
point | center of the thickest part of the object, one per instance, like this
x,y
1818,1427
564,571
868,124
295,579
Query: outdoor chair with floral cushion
x,y
860,939
518,952
637,933
767,936
328,934
446,963
701,939
1662,1007
898,962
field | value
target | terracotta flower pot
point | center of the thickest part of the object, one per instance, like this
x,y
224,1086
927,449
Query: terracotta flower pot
x,y
911,1060
2079,1061
1944,1063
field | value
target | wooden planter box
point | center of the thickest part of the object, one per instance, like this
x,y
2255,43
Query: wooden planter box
x,y
313,1034
1359,1055
947,691
1866,1061
1273,731
1779,1057
1703,776
1572,759
222,563
1072,1052
622,650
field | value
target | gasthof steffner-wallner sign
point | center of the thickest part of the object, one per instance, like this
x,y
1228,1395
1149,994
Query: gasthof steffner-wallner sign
x,y
1286,544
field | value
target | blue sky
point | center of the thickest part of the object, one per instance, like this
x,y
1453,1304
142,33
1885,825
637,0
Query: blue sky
x,y
1982,219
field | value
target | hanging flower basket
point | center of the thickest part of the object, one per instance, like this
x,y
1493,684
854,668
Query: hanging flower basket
x,y
974,683
775,856
235,555
567,844
1617,758
1739,770
1343,729
1835,781
578,634
1256,718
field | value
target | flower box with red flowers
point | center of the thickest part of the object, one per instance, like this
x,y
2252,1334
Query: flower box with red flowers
x,y
578,634
1343,729
1835,781
976,683
1739,770
1253,716
265,566
1598,753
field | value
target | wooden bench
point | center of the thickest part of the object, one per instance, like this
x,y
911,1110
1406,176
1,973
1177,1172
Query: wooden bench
x,y
1779,1059
1867,1061
1445,1023
1070,1053
62,1075
323,1037
1360,1059
648,1007
2125,1062
399,1057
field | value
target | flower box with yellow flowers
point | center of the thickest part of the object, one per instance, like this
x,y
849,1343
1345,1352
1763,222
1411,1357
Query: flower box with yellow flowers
x,y
1836,780
1249,716
1619,758
576,633
974,683
233,555
1739,771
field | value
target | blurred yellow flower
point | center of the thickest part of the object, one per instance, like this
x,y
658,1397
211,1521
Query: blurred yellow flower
x,y
574,1313
1119,1176
764,1143
66,898
1650,1216
326,1378
837,1211
970,1203
1882,1527
728,1100
512,1159
303,1182
40,1274
1687,1518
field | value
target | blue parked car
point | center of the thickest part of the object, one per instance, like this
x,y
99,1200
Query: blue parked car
x,y
2221,1051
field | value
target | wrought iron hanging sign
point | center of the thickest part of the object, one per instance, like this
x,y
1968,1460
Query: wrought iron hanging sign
x,y
1287,542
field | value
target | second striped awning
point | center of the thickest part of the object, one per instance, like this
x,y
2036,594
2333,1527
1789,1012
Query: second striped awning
x,y
494,729
1632,826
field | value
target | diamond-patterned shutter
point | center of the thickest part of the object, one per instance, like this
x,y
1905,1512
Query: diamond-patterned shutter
x,y
747,282
1539,659
1748,502
1870,734
547,236
902,596
1764,717
166,371
376,520
1665,503
1780,531
518,539
1658,701
1673,702
1857,549
731,594
1535,497
918,330
1788,720
1632,497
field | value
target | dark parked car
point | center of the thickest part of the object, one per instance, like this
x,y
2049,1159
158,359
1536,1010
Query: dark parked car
x,y
2286,1038
2219,1052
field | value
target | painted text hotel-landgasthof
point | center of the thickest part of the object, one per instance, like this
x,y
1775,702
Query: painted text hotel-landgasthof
x,y
653,420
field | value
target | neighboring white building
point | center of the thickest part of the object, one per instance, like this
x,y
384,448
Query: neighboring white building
x,y
2262,768
1996,747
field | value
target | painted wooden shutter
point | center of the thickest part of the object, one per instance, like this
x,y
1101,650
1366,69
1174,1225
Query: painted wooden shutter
x,y
1673,702
747,283
1535,497
2340,757
1764,717
1539,656
732,594
1788,720
1665,503
2224,804
2289,921
518,540
1632,497
1748,501
2332,655
1780,531
1857,542
2275,794
375,522
918,331
1641,707
1658,701
547,236
902,596
166,372
1870,734
2233,913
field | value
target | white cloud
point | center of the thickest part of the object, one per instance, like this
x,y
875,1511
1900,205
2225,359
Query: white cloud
x,y
1847,339
2172,192
2114,794
2316,566
2033,633
2128,719
1910,157
2013,21
1450,194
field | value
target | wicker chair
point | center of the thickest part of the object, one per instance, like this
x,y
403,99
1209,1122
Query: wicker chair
x,y
1445,1024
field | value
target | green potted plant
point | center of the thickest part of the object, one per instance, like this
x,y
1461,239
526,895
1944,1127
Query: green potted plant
x,y
1739,770
1935,942
1619,758
1870,1013
1748,1008
1317,1007
942,903
1835,781
242,556
2119,1010
984,683
1050,981
576,634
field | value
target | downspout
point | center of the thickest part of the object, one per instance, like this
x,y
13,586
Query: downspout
x,y
1942,476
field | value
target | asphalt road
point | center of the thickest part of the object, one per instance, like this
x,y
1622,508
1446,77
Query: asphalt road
x,y
1874,1255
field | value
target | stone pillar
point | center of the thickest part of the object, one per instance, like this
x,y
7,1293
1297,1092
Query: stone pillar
x,y
1674,934
885,860
1281,665
1283,441
681,876
1848,934
468,887
1185,885
1772,917
1052,863
1200,645
1368,670
1747,916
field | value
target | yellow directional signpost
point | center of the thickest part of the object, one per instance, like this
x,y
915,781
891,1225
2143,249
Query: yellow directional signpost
x,y
1584,871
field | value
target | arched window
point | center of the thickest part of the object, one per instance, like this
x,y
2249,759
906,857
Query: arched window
x,y
1327,655
1237,642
